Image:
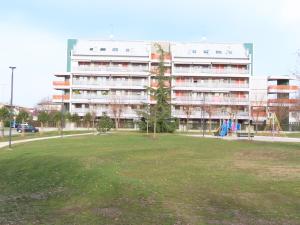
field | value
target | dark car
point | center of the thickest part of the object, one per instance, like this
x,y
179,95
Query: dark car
x,y
27,128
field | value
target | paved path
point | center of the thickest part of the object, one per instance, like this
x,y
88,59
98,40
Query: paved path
x,y
5,144
255,138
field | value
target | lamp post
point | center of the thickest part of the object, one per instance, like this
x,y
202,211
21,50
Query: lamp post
x,y
62,114
11,102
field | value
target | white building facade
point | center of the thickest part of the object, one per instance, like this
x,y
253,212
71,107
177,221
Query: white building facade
x,y
211,80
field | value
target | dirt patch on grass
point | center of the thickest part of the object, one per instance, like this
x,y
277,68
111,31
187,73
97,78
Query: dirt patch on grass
x,y
92,162
109,212
267,171
268,164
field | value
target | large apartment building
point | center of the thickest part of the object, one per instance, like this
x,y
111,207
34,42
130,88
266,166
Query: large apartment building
x,y
208,80
277,94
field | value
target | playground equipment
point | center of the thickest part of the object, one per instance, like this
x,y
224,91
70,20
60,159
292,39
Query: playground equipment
x,y
273,124
228,127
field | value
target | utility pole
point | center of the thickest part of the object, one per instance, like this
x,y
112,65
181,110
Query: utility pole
x,y
62,114
11,102
203,115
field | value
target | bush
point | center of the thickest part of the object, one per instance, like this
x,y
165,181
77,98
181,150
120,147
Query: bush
x,y
105,124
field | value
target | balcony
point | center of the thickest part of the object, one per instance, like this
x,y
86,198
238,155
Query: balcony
x,y
155,56
191,70
126,113
282,88
282,102
61,84
126,69
112,84
210,100
60,98
214,85
110,98
214,115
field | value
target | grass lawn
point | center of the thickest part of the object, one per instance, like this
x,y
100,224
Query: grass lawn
x,y
17,137
129,178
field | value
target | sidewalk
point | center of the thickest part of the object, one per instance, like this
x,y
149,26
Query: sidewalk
x,y
255,138
5,144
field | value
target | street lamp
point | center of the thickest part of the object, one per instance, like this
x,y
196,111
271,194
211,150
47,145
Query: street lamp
x,y
11,102
62,114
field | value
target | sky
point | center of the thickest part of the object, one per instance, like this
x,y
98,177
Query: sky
x,y
34,33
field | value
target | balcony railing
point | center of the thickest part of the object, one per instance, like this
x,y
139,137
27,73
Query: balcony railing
x,y
283,88
157,56
61,97
110,83
100,111
283,101
209,70
199,114
211,85
143,69
211,100
61,83
115,98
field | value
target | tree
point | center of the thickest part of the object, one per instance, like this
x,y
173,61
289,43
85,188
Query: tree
x,y
22,117
105,124
43,118
87,119
4,116
117,109
188,110
209,109
75,118
159,114
57,117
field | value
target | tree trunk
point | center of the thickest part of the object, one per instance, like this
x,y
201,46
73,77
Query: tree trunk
x,y
23,129
116,123
209,125
2,128
154,130
42,128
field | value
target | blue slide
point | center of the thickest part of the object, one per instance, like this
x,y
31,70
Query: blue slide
x,y
224,129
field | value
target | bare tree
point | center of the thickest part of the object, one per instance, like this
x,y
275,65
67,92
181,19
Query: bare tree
x,y
116,108
188,110
209,109
258,109
295,109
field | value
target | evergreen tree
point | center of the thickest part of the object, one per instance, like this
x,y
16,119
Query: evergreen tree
x,y
157,117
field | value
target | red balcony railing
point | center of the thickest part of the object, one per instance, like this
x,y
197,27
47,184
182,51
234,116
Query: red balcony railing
x,y
156,56
283,87
60,97
283,101
61,83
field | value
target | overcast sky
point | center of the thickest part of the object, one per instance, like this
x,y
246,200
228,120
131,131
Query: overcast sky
x,y
34,33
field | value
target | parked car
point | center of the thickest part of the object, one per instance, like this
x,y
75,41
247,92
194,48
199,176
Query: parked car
x,y
27,128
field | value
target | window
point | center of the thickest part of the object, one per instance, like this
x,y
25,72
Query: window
x,y
127,50
218,52
91,49
229,52
115,49
194,51
206,51
102,49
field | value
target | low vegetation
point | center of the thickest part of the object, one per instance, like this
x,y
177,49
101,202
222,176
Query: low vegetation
x,y
129,178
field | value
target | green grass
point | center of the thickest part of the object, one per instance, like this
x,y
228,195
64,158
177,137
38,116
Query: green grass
x,y
293,135
128,178
18,137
